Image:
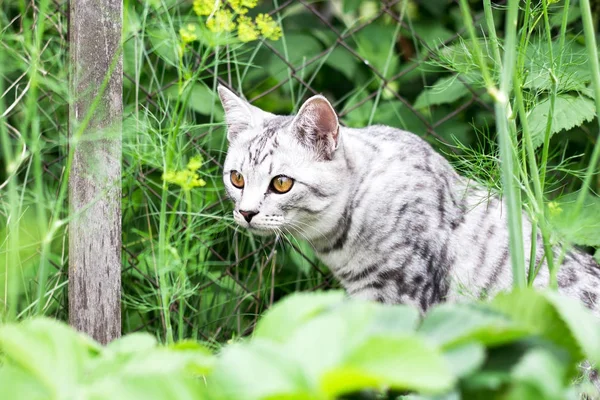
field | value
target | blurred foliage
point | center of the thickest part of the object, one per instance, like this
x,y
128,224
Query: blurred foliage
x,y
522,345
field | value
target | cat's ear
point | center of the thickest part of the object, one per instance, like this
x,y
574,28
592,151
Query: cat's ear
x,y
239,114
317,127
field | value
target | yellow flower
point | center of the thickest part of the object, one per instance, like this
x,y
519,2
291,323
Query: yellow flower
x,y
268,27
188,33
204,7
186,179
241,6
247,31
195,163
222,20
554,208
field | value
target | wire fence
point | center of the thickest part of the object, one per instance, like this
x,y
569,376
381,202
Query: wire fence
x,y
223,283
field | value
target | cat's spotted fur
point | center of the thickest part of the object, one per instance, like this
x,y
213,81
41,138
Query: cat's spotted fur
x,y
388,215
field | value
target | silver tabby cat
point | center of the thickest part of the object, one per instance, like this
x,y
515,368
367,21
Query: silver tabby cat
x,y
388,215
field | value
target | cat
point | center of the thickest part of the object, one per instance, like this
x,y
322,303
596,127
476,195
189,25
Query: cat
x,y
389,215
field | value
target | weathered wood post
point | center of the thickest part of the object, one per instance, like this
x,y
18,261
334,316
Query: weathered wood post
x,y
95,178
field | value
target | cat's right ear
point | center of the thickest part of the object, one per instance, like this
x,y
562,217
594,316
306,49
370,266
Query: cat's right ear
x,y
238,113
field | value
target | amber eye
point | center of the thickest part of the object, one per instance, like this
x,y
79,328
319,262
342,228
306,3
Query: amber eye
x,y
282,184
237,179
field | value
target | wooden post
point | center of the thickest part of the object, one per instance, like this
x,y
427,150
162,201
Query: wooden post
x,y
95,123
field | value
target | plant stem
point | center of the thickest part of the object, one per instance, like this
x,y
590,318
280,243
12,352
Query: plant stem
x,y
590,43
505,141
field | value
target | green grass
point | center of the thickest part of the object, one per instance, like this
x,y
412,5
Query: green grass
x,y
188,272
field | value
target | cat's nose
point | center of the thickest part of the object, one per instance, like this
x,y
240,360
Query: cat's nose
x,y
248,215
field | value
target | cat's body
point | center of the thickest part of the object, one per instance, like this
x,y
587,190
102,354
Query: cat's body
x,y
388,215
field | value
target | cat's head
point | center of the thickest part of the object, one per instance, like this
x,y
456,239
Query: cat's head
x,y
283,172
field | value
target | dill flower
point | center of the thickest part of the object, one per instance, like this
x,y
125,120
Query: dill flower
x,y
268,27
247,31
188,33
204,7
554,208
221,21
195,163
242,6
188,178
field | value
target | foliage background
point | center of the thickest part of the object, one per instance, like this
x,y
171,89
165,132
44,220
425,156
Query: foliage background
x,y
187,271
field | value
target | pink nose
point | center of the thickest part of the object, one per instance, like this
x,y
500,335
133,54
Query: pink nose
x,y
248,215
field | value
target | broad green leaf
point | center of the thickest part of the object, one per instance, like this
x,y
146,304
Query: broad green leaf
x,y
445,90
296,48
374,43
201,99
350,6
569,111
397,362
574,73
290,313
465,358
584,326
49,351
339,330
133,343
542,373
147,387
165,45
537,312
341,60
258,370
584,229
16,383
452,324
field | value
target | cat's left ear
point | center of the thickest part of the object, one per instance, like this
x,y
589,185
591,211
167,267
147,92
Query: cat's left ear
x,y
239,114
317,127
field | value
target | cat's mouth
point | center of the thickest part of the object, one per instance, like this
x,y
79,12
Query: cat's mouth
x,y
256,227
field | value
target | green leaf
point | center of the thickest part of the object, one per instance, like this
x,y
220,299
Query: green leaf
x,y
542,373
396,362
569,111
19,384
584,326
452,324
558,319
445,90
53,354
201,99
583,229
341,60
465,358
573,74
258,370
350,6
290,313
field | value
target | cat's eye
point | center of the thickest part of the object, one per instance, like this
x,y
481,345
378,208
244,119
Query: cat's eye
x,y
237,179
282,184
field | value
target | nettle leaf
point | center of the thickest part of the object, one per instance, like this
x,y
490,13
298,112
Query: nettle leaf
x,y
290,313
259,370
343,61
561,320
453,324
541,372
583,229
569,111
50,352
445,90
199,98
574,72
465,358
396,362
